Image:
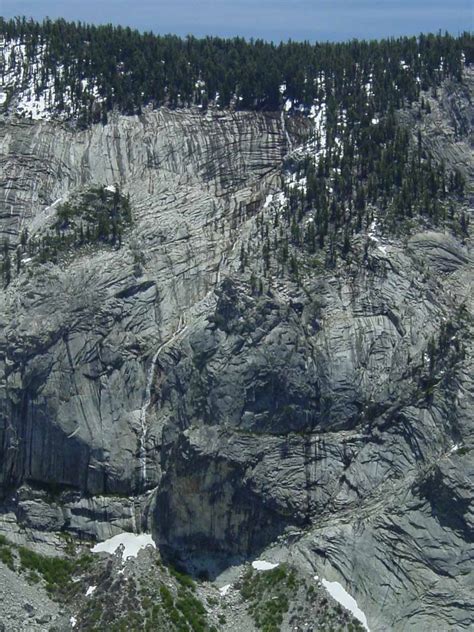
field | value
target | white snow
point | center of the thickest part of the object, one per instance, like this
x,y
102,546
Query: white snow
x,y
342,596
224,590
281,199
369,86
110,188
282,88
371,234
131,542
372,229
73,622
261,565
455,448
313,111
33,90
298,184
268,201
317,143
90,590
288,105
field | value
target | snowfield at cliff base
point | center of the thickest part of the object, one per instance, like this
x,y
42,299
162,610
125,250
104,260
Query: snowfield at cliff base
x,y
345,599
132,543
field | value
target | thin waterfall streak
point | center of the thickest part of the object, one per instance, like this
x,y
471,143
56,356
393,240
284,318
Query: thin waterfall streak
x,y
147,399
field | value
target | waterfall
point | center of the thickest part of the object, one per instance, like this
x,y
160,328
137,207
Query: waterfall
x,y
288,139
181,328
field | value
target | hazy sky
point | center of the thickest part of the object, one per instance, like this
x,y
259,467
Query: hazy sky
x,y
269,19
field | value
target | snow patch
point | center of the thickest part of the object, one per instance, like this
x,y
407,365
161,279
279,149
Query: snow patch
x,y
268,201
342,596
225,589
131,542
299,185
90,590
281,199
261,565
73,622
33,90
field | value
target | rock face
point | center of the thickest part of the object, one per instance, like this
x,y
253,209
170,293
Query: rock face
x,y
27,607
365,465
154,387
77,339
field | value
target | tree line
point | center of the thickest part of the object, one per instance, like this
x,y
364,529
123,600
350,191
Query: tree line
x,y
107,67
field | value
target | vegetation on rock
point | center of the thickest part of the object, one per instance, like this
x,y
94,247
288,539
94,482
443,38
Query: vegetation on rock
x,y
105,67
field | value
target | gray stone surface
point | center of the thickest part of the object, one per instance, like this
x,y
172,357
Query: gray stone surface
x,y
149,387
75,335
26,607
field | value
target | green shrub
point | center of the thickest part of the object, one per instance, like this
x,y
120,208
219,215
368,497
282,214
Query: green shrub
x,y
192,610
166,597
185,580
6,556
267,593
55,571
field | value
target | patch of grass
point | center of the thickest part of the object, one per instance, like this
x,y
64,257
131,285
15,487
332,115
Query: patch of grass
x,y
84,562
267,594
192,610
166,597
185,580
55,571
6,556
185,612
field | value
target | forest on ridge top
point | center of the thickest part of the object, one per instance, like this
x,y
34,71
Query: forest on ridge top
x,y
124,69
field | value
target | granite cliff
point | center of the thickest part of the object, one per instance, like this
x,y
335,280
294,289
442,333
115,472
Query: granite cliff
x,y
153,387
